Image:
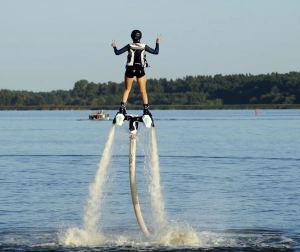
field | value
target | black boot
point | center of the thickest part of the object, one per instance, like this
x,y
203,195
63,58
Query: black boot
x,y
146,110
122,109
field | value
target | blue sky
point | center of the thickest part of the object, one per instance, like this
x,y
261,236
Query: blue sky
x,y
48,45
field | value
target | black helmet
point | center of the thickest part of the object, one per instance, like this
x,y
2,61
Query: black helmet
x,y
136,35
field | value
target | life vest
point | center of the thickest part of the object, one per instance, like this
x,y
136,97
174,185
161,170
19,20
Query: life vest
x,y
137,55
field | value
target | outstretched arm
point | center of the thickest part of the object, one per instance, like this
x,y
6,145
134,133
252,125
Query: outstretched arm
x,y
122,50
156,50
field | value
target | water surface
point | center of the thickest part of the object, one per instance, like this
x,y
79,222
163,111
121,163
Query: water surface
x,y
230,181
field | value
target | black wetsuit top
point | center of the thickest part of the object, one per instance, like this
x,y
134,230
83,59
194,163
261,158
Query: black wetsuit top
x,y
147,49
136,59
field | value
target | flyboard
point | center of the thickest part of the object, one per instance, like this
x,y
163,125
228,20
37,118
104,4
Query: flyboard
x,y
133,127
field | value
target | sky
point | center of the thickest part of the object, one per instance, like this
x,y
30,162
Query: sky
x,y
48,45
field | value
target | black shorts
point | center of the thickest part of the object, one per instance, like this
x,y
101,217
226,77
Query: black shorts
x,y
136,70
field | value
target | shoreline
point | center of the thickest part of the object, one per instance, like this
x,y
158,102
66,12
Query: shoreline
x,y
159,107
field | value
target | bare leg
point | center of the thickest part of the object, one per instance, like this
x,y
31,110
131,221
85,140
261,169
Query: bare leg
x,y
142,86
128,85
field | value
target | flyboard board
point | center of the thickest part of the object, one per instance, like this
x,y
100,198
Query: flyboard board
x,y
133,121
133,126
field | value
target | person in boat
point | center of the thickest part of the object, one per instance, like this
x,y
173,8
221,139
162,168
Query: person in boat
x,y
136,62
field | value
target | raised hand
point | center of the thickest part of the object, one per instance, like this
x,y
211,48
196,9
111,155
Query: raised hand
x,y
113,44
158,38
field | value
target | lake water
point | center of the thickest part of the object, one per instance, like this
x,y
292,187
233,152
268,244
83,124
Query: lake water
x,y
229,181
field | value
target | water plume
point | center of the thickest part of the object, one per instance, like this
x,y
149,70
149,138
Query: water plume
x,y
90,234
157,201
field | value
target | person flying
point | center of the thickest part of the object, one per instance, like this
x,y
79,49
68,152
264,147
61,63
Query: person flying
x,y
136,62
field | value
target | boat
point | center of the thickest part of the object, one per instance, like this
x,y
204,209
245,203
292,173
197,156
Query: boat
x,y
99,115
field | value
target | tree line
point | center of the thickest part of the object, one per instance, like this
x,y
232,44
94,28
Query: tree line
x,y
190,91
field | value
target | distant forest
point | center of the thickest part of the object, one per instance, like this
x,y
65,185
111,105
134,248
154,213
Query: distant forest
x,y
191,92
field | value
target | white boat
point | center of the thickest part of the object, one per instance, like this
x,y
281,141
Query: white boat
x,y
99,115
